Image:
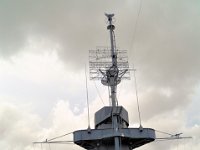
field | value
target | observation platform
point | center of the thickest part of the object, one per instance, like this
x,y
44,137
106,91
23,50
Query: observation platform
x,y
103,136
129,137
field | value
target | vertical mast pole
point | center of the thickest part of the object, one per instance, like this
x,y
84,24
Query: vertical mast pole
x,y
113,77
111,27
114,69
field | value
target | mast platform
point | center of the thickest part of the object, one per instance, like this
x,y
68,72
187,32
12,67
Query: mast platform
x,y
104,134
130,138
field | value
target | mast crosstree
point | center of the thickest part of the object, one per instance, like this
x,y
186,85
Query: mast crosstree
x,y
111,122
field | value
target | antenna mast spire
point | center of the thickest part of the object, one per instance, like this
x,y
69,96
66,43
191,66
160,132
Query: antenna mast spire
x,y
111,131
111,27
112,78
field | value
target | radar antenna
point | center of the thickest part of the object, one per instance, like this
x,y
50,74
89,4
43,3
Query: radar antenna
x,y
112,131
110,65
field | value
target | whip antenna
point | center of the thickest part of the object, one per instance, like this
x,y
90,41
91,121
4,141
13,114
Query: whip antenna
x,y
88,107
136,93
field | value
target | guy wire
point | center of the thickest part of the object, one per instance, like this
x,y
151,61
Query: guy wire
x,y
88,107
49,147
163,132
132,47
136,25
59,136
136,93
33,146
109,96
99,93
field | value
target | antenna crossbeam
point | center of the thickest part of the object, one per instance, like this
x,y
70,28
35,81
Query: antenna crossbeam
x,y
100,61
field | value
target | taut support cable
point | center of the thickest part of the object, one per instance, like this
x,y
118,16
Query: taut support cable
x,y
136,93
88,107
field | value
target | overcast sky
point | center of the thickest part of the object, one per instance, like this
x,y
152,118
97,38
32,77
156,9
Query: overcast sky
x,y
43,51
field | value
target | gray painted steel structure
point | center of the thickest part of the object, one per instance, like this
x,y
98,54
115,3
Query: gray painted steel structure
x,y
111,122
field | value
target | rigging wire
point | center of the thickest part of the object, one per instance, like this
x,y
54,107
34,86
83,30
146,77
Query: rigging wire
x,y
88,107
171,136
49,147
99,93
116,99
163,132
54,142
41,147
136,25
165,139
132,45
59,136
116,51
177,142
120,87
33,146
136,93
109,99
60,142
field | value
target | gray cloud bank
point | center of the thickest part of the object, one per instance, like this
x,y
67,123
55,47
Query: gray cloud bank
x,y
164,27
20,127
165,51
74,25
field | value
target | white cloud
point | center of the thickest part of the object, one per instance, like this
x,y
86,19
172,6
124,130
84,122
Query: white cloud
x,y
44,46
20,127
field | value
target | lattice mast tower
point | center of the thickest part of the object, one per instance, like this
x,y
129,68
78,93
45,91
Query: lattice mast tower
x,y
111,122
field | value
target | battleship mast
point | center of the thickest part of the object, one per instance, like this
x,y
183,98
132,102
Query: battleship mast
x,y
111,130
112,73
111,122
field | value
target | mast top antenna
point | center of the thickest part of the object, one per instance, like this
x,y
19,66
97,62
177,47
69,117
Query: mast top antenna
x,y
109,16
110,19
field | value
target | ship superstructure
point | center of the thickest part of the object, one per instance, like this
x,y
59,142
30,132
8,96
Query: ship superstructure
x,y
111,124
111,131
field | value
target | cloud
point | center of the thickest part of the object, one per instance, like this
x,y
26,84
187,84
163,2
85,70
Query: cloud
x,y
68,23
20,127
44,46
